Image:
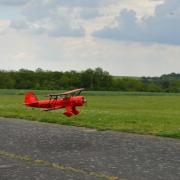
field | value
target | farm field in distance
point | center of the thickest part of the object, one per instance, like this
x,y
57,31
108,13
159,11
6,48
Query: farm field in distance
x,y
143,113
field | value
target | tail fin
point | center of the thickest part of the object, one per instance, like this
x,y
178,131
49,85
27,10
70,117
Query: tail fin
x,y
30,98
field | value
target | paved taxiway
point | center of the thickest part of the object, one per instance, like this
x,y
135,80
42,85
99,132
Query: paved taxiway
x,y
39,151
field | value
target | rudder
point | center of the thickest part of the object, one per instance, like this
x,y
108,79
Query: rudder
x,y
30,98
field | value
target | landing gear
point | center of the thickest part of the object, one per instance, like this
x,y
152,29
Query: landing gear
x,y
70,111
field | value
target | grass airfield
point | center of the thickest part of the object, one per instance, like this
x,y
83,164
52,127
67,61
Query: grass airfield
x,y
142,113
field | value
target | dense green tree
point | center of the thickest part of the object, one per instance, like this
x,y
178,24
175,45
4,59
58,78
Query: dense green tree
x,y
86,79
91,79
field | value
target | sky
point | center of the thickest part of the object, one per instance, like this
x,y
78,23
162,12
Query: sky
x,y
124,37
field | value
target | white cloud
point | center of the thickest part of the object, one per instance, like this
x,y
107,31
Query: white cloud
x,y
4,26
22,56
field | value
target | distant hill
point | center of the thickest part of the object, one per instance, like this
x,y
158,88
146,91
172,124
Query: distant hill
x,y
172,76
121,77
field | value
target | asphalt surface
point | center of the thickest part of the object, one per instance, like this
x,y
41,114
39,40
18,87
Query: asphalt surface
x,y
39,151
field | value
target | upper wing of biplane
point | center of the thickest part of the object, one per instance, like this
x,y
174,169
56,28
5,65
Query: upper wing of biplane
x,y
72,92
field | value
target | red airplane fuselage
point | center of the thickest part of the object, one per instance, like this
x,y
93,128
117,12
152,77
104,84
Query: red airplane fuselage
x,y
69,103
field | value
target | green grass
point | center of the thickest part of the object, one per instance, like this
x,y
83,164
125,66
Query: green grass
x,y
143,113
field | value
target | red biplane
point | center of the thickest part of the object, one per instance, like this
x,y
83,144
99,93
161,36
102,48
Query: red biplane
x,y
68,100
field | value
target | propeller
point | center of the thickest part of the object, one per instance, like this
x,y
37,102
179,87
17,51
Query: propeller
x,y
85,102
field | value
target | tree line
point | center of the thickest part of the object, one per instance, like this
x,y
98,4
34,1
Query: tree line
x,y
91,79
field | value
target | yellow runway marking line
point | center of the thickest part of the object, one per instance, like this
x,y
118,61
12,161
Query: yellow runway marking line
x,y
56,166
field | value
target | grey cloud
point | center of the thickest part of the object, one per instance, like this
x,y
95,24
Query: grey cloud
x,y
89,13
129,33
127,29
163,27
81,3
35,10
85,3
47,17
13,2
169,6
41,8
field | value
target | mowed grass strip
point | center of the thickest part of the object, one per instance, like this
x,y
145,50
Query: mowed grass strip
x,y
143,114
